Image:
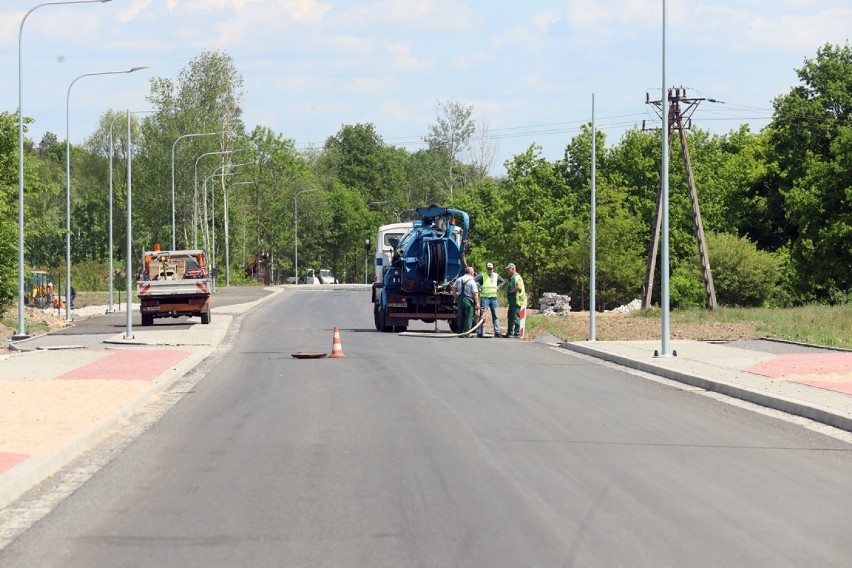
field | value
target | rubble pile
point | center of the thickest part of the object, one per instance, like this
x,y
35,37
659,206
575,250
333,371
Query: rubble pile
x,y
553,304
633,306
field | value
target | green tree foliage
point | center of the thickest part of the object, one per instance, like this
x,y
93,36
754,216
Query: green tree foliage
x,y
266,208
742,274
346,222
358,158
811,141
8,208
205,100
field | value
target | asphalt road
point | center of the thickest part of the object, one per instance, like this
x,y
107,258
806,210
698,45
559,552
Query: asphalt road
x,y
446,452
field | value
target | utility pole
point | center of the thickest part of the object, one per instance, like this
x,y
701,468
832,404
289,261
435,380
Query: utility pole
x,y
681,108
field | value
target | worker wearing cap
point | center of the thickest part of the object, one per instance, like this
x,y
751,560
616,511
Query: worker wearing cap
x,y
467,299
489,283
517,297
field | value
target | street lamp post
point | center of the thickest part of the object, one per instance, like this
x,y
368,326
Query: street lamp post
x,y
296,228
68,182
665,346
195,196
212,224
128,331
22,331
111,154
213,202
174,146
227,233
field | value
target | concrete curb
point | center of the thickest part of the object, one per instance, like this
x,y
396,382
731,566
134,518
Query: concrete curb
x,y
786,397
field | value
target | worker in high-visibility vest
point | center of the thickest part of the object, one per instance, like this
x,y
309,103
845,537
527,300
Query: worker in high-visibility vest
x,y
489,283
517,297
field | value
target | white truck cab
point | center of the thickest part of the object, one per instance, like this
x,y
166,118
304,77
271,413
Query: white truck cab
x,y
384,249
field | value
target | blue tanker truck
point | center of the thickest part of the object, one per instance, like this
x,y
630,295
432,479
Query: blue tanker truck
x,y
416,267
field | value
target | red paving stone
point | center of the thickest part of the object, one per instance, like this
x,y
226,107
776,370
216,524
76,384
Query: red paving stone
x,y
9,460
128,366
805,364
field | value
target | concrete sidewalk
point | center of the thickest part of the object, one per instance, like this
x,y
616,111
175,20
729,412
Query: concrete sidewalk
x,y
807,381
60,394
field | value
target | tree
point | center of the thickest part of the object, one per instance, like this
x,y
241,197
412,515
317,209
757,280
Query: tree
x,y
483,150
811,143
451,136
8,201
358,158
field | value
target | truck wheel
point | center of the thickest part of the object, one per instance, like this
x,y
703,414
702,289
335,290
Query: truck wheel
x,y
147,319
454,327
205,317
381,325
377,317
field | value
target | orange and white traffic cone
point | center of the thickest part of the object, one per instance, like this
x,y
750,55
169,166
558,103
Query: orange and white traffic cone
x,y
336,346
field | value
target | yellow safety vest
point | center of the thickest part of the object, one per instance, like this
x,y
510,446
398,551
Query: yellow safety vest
x,y
519,295
489,285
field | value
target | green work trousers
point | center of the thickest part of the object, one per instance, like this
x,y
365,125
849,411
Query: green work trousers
x,y
514,323
467,313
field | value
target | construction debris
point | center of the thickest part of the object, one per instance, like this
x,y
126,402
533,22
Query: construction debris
x,y
553,304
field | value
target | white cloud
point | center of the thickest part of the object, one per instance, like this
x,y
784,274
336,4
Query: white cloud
x,y
402,59
131,12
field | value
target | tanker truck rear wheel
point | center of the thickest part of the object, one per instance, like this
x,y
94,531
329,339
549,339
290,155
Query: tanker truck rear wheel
x,y
377,317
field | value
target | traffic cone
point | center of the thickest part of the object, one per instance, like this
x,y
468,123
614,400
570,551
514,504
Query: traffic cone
x,y
336,347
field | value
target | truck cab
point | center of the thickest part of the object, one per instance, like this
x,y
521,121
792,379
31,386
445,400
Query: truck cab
x,y
388,234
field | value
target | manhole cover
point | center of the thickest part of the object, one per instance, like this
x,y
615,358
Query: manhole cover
x,y
307,355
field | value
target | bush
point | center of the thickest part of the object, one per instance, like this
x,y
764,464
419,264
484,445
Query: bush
x,y
742,274
686,289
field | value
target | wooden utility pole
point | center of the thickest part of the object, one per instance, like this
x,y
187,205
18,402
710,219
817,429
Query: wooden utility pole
x,y
677,98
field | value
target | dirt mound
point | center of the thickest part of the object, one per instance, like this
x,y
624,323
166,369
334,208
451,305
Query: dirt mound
x,y
38,322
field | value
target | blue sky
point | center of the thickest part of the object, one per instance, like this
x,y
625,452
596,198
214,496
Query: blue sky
x,y
528,68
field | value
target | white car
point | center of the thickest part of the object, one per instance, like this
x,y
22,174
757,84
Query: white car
x,y
327,277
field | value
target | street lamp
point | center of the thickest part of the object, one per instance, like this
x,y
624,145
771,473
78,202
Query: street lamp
x,y
213,202
665,346
195,196
227,233
68,182
174,146
111,154
21,332
296,230
216,173
128,330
